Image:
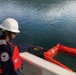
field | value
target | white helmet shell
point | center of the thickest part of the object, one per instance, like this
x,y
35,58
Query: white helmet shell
x,y
10,24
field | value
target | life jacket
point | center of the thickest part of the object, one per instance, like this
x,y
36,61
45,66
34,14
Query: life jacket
x,y
15,54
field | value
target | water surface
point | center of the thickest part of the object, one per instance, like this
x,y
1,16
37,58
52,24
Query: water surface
x,y
42,22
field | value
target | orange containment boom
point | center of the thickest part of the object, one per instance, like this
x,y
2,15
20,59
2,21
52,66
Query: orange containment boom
x,y
48,55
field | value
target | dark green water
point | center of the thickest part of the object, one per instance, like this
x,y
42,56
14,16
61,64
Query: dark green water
x,y
42,22
67,60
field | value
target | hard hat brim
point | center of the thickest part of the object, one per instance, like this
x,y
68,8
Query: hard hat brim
x,y
15,31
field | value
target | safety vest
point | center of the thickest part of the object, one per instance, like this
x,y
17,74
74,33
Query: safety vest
x,y
15,55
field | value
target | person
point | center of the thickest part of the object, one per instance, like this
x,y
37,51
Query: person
x,y
10,61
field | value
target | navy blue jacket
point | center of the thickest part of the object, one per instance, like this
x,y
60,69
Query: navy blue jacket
x,y
21,47
6,64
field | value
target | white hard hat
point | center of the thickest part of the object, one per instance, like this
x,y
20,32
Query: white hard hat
x,y
10,24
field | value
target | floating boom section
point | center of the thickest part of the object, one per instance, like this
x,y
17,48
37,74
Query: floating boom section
x,y
48,55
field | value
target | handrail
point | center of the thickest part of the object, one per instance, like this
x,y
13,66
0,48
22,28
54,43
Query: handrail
x,y
44,65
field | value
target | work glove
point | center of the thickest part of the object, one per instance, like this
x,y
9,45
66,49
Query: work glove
x,y
37,48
